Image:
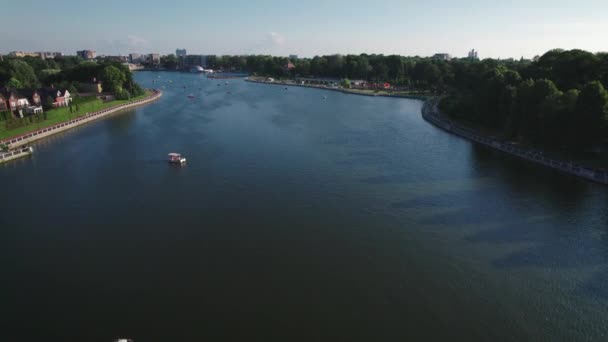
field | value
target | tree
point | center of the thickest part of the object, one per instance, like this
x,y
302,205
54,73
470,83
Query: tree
x,y
23,73
591,114
169,61
113,79
14,83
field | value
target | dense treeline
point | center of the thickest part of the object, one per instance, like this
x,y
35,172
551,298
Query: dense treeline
x,y
557,100
68,73
413,72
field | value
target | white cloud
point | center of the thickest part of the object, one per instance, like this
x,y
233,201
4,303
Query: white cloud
x,y
276,39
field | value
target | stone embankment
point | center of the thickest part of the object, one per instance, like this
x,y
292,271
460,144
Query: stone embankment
x,y
15,154
27,138
433,115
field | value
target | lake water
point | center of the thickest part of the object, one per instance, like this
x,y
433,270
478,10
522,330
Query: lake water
x,y
297,218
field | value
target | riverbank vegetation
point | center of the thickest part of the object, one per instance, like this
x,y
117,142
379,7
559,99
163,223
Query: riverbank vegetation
x,y
52,117
23,75
558,100
69,72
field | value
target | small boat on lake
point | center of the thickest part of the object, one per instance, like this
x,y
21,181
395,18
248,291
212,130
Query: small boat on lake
x,y
191,96
176,158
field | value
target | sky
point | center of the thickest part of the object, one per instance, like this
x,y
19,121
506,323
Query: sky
x,y
497,29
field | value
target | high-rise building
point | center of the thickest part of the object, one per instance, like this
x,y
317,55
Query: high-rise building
x,y
194,61
135,58
154,58
86,54
180,52
473,54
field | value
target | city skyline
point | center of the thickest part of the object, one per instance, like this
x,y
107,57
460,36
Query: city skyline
x,y
495,29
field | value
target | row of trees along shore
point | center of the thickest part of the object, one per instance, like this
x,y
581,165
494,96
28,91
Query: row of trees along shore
x,y
68,72
557,100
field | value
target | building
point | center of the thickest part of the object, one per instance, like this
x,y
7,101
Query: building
x,y
119,59
135,58
51,55
191,61
289,67
473,55
442,56
293,57
43,55
154,58
86,54
23,54
21,101
180,53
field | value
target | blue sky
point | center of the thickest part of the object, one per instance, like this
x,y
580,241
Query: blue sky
x,y
496,28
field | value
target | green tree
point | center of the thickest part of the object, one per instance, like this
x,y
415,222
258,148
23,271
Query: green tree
x,y
169,61
591,114
113,79
14,83
24,73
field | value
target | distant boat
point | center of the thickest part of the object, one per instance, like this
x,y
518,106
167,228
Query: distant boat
x,y
176,158
191,96
197,69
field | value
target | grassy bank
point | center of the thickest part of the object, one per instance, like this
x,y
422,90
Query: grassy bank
x,y
59,115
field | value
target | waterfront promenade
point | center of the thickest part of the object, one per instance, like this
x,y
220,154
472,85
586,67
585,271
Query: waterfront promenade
x,y
432,114
24,139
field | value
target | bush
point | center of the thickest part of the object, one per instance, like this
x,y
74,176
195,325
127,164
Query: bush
x,y
137,90
122,94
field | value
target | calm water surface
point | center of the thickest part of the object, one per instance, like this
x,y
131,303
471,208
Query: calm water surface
x,y
297,218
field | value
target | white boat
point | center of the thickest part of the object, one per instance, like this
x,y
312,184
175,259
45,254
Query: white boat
x,y
176,158
197,69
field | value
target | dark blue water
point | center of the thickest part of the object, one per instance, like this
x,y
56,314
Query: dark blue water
x,y
297,218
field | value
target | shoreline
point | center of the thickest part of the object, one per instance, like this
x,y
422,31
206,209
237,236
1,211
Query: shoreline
x,y
26,138
340,90
432,115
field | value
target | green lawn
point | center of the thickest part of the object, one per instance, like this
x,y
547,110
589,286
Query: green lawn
x,y
55,116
